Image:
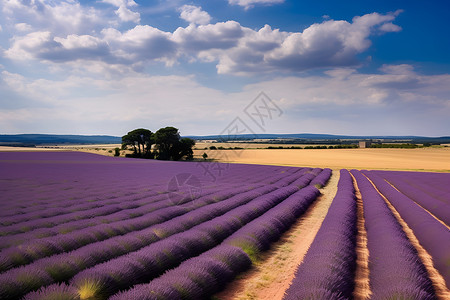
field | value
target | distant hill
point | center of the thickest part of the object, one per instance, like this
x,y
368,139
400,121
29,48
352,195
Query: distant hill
x,y
51,139
311,137
302,138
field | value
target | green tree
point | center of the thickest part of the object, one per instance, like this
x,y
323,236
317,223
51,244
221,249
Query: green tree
x,y
170,145
166,140
139,138
184,149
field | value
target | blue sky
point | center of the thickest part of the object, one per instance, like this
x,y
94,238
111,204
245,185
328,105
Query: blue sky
x,y
339,67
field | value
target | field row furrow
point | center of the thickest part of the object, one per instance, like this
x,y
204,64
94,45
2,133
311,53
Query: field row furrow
x,y
328,269
190,278
151,261
395,267
38,248
432,235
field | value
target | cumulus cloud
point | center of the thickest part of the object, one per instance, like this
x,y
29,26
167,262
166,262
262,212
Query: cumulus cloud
x,y
124,12
251,3
195,39
66,16
322,45
236,49
43,45
194,15
140,44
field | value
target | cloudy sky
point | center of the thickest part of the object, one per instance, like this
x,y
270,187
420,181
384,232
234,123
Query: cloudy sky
x,y
340,67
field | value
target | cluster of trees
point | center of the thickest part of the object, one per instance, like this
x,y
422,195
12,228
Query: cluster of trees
x,y
165,144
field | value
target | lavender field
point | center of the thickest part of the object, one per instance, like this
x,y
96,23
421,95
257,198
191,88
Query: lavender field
x,y
83,226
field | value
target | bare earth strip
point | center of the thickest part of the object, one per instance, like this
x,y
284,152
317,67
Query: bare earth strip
x,y
420,159
362,285
442,292
269,279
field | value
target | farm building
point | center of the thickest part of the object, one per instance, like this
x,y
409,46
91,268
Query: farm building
x,y
365,144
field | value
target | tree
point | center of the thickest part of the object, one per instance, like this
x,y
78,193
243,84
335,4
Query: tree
x,y
166,140
139,138
184,149
170,146
205,156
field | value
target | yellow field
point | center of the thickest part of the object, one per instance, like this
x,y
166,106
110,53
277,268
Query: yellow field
x,y
420,159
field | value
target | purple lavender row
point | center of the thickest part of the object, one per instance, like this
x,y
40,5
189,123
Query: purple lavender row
x,y
328,269
212,270
395,269
78,185
39,248
438,208
78,225
321,180
196,278
36,223
31,201
64,266
288,180
306,179
432,235
434,184
82,188
65,207
149,262
78,220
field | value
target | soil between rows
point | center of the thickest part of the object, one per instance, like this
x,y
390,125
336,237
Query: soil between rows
x,y
269,279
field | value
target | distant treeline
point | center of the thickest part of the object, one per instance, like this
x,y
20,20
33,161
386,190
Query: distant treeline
x,y
404,146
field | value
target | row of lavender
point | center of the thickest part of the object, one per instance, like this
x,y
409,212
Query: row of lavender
x,y
433,196
141,265
31,180
431,233
248,193
396,271
202,276
327,271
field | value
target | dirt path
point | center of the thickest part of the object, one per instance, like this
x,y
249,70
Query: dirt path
x,y
362,287
442,292
269,279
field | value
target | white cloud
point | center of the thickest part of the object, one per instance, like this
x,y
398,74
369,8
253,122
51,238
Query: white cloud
x,y
338,99
389,27
194,15
321,45
66,16
30,45
139,44
126,15
235,49
251,3
23,27
195,39
124,12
